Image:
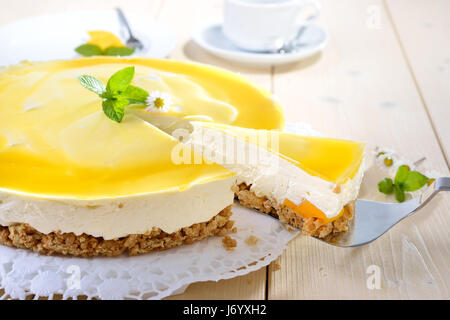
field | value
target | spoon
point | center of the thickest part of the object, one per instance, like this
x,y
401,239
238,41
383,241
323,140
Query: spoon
x,y
287,47
132,41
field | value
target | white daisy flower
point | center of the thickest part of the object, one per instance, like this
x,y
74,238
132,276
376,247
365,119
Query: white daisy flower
x,y
159,102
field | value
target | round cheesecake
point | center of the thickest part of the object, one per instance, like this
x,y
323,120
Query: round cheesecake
x,y
75,182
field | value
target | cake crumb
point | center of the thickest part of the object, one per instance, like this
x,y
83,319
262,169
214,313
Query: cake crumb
x,y
249,281
252,240
337,188
289,228
229,243
234,230
276,267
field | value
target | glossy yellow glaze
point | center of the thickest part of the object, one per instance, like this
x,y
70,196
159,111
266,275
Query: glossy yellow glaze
x,y
56,141
333,160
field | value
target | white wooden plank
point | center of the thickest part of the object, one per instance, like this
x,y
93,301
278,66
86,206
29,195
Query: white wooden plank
x,y
361,88
423,28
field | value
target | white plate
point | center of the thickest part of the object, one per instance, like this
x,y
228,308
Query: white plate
x,y
212,39
55,36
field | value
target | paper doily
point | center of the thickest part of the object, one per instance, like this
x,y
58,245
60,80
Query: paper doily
x,y
151,276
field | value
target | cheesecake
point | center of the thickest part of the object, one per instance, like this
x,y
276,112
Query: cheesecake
x,y
76,183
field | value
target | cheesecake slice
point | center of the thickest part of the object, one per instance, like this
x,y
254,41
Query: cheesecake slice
x,y
308,182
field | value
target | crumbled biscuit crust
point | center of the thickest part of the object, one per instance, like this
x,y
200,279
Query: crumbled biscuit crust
x,y
310,226
24,236
229,243
252,241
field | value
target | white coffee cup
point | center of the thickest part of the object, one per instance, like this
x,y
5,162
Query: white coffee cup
x,y
263,25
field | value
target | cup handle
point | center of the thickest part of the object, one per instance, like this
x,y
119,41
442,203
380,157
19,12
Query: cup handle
x,y
317,7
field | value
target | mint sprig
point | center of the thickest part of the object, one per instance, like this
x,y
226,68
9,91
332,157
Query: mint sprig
x,y
405,181
90,50
115,108
117,94
93,84
135,95
118,51
120,81
386,186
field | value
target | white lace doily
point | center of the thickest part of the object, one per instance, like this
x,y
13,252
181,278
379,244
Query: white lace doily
x,y
158,274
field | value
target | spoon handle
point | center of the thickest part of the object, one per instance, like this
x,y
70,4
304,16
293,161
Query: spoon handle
x,y
124,21
442,184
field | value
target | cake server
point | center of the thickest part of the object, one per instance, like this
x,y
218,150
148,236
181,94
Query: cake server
x,y
372,219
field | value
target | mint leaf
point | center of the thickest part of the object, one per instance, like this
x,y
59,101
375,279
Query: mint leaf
x,y
135,95
115,109
119,51
399,194
414,181
386,186
93,84
402,174
107,95
117,94
120,81
89,50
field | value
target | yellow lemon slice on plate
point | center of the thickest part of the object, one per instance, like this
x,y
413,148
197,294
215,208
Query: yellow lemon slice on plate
x,y
104,39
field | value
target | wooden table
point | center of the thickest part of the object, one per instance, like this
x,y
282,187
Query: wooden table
x,y
383,78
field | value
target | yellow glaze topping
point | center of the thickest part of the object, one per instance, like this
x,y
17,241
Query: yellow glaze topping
x,y
333,160
56,141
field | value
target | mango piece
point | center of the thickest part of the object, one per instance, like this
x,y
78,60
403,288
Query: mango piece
x,y
105,39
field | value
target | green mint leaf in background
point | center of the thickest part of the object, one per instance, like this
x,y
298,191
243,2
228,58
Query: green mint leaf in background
x,y
120,81
386,186
135,95
402,174
89,50
93,84
414,181
399,194
115,109
119,51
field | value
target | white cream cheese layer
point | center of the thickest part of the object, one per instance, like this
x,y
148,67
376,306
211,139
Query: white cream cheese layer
x,y
270,175
121,216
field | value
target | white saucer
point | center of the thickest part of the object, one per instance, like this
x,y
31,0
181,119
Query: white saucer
x,y
212,39
55,36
